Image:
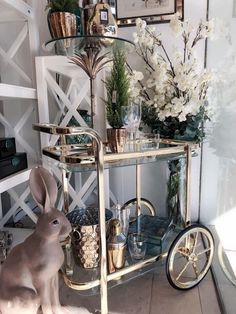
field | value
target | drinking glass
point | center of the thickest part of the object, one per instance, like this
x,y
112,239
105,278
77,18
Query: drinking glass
x,y
123,215
137,244
150,140
131,117
137,113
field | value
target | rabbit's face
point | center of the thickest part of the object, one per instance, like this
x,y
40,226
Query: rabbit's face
x,y
53,224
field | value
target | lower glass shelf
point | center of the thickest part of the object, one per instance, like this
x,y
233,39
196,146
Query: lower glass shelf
x,y
79,278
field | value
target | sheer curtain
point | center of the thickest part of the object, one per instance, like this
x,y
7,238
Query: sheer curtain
x,y
218,177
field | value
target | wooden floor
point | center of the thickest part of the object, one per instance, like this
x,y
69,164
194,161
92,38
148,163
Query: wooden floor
x,y
151,294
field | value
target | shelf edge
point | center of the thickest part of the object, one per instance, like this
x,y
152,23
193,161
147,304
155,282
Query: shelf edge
x,y
14,91
14,180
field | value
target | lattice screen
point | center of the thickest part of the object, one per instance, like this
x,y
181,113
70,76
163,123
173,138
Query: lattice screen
x,y
18,111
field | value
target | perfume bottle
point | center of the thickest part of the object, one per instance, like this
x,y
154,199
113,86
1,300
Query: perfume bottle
x,y
116,246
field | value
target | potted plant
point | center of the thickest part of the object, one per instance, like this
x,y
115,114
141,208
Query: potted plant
x,y
62,19
117,87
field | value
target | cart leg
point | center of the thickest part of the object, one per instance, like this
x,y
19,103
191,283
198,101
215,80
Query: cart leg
x,y
188,185
65,183
138,195
101,200
102,220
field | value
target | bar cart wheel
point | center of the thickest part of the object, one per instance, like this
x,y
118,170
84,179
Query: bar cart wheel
x,y
190,257
145,204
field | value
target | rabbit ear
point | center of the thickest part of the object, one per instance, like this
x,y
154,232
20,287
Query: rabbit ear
x,y
43,188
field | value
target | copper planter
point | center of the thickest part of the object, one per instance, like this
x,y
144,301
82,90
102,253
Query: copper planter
x,y
117,139
62,24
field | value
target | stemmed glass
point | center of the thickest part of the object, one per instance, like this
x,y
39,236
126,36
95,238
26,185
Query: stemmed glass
x,y
131,117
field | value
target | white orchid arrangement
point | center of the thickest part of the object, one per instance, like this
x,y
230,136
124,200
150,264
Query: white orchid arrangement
x,y
175,89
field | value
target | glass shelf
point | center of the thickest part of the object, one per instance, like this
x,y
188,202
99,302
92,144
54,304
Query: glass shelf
x,y
69,46
81,276
81,157
77,159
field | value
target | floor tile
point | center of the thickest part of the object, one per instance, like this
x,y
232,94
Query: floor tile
x,y
131,298
208,296
167,300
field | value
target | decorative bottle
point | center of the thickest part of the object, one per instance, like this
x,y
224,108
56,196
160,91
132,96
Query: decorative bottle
x,y
88,10
102,21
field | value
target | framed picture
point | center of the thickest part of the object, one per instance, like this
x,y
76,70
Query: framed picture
x,y
153,11
234,8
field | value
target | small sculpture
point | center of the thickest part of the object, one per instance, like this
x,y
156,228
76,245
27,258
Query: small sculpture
x,y
29,276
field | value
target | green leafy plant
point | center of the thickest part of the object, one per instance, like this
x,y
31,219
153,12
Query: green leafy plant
x,y
190,130
117,86
62,6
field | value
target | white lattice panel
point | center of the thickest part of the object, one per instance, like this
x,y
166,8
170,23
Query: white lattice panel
x,y
18,46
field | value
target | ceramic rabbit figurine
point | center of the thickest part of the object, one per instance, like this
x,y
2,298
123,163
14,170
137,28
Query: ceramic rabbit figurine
x,y
29,276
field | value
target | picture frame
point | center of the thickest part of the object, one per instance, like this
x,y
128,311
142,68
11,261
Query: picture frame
x,y
152,11
234,9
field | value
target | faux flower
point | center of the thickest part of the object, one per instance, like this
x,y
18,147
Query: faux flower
x,y
175,89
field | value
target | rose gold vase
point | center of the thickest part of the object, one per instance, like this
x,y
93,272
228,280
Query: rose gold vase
x,y
62,24
116,139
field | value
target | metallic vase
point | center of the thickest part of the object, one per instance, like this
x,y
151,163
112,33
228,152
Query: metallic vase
x,y
86,235
62,24
117,139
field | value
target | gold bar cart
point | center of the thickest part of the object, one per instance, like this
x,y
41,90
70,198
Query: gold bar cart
x,y
194,244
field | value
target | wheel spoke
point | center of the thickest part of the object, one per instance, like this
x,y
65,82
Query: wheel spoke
x,y
204,251
182,271
182,252
195,243
195,269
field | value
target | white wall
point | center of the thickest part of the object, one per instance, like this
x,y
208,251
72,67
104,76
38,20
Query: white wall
x,y
218,195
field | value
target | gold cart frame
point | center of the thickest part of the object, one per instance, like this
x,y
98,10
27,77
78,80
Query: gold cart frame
x,y
99,159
